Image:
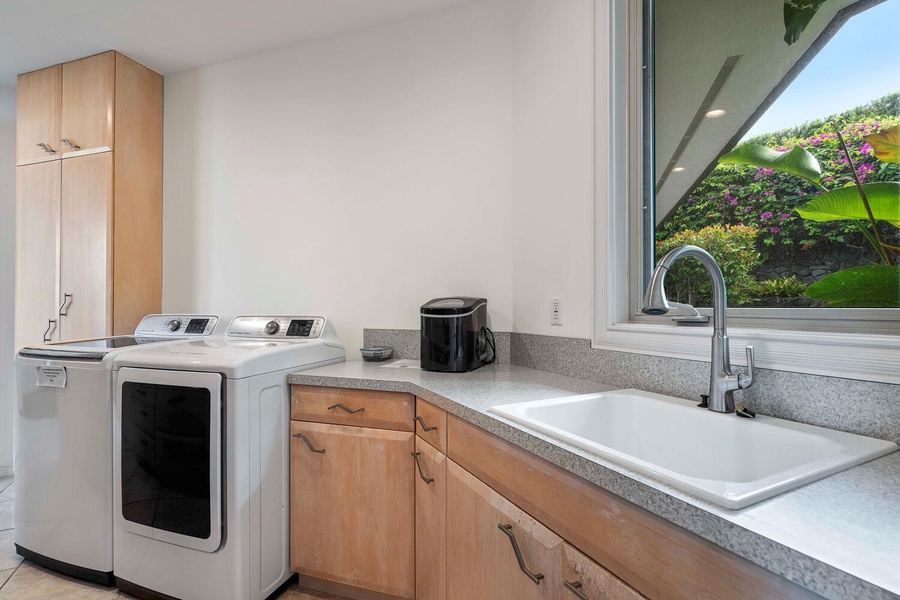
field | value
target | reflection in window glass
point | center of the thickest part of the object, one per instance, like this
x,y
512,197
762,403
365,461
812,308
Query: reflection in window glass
x,y
776,150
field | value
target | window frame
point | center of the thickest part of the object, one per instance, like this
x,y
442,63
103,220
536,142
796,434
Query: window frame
x,y
827,342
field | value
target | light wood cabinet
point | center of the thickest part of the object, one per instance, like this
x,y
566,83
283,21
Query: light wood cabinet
x,y
583,578
88,104
38,106
362,408
353,507
430,473
85,251
431,424
37,254
104,236
481,558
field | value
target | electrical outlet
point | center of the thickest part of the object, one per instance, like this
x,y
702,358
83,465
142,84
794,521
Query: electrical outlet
x,y
556,311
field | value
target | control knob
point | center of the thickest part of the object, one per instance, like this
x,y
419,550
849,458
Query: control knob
x,y
272,327
174,325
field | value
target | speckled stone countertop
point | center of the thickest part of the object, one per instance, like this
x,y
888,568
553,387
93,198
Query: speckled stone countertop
x,y
839,537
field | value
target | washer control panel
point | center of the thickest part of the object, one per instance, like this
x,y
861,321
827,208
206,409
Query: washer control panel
x,y
177,325
277,327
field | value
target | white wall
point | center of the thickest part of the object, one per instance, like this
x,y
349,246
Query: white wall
x,y
553,165
357,176
360,176
7,292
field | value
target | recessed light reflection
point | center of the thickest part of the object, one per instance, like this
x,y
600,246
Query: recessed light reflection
x,y
715,114
678,169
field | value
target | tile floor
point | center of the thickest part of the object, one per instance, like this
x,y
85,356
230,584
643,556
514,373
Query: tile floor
x,y
23,580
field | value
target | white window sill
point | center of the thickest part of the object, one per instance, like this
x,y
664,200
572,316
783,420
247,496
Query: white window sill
x,y
866,357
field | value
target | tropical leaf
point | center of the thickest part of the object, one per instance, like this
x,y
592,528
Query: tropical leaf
x,y
796,161
845,204
797,15
859,287
886,144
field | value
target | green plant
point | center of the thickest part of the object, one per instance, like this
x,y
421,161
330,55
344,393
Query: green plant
x,y
866,205
734,248
786,286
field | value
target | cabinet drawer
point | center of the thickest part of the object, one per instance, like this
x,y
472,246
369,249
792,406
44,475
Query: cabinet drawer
x,y
431,424
583,576
363,408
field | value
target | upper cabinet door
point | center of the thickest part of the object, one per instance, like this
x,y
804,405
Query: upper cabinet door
x,y
38,99
86,248
88,95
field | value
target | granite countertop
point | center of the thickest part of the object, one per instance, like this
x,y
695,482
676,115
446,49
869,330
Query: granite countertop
x,y
839,537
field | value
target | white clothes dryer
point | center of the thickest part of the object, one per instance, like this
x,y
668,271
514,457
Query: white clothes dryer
x,y
63,464
201,459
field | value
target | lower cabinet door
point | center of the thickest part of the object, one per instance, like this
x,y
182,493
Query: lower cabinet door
x,y
494,549
430,473
353,506
586,580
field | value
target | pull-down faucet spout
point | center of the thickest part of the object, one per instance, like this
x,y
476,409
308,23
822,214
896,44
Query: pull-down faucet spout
x,y
722,381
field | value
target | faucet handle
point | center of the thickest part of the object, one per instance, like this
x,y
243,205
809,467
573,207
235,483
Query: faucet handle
x,y
745,380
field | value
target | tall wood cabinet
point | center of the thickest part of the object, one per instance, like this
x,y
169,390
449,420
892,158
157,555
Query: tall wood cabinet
x,y
88,199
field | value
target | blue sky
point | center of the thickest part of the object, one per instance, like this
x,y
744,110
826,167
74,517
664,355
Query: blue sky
x,y
859,64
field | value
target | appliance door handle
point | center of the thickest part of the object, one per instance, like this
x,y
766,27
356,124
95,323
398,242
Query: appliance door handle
x,y
51,325
67,299
346,408
427,480
309,443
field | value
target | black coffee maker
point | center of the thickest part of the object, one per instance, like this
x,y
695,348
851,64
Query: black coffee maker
x,y
455,336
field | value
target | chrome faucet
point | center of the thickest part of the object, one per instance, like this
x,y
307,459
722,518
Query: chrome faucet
x,y
722,381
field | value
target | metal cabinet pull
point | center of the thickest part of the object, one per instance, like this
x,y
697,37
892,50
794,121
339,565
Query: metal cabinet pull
x,y
70,144
415,455
50,325
46,148
575,588
309,444
348,409
66,299
424,426
507,529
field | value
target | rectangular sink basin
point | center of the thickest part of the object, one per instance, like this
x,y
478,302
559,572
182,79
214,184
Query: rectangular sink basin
x,y
728,460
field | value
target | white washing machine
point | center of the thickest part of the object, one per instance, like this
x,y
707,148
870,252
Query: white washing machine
x,y
64,494
201,459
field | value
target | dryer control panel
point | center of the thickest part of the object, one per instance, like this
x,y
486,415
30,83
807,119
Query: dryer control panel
x,y
177,325
277,327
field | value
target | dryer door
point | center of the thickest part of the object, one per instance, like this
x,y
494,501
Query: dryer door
x,y
168,456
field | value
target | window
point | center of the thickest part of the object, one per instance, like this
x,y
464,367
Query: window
x,y
791,331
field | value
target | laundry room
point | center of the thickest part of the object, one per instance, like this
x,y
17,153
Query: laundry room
x,y
449,300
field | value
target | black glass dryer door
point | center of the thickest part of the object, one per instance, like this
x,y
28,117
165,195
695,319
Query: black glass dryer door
x,y
170,456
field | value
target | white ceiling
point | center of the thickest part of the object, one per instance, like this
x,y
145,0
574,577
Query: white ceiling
x,y
178,35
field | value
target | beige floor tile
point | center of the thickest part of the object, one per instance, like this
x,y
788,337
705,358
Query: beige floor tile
x,y
4,575
31,582
6,515
9,493
8,557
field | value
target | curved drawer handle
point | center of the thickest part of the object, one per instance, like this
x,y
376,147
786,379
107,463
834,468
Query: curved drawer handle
x,y
424,426
575,588
309,444
67,299
507,529
51,325
46,148
415,455
346,408
72,145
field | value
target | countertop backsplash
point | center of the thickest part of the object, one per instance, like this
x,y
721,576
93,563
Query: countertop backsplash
x,y
863,407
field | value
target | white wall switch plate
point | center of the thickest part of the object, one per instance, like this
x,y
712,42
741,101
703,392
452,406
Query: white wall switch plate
x,y
556,311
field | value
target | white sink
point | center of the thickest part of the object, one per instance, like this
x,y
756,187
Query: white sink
x,y
723,458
